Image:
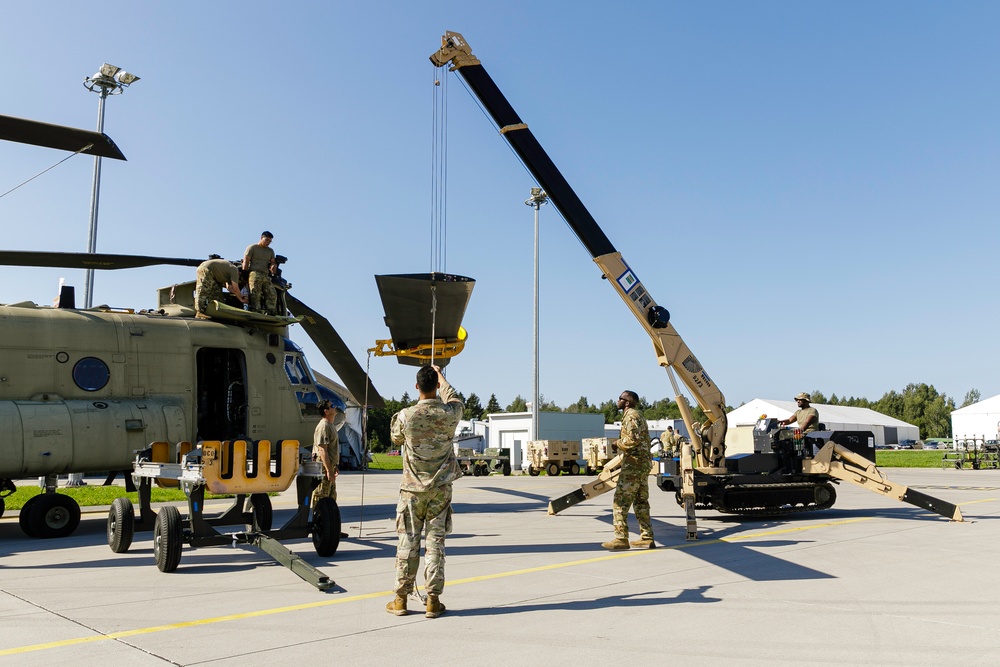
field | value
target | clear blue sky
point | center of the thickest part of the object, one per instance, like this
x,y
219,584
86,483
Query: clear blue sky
x,y
810,188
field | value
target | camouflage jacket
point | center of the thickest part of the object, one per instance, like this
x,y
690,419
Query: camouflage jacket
x,y
424,433
634,440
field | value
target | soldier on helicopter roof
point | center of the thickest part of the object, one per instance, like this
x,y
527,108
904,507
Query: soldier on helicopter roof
x,y
214,274
259,261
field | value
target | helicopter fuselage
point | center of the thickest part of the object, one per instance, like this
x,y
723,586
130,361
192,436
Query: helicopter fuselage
x,y
83,390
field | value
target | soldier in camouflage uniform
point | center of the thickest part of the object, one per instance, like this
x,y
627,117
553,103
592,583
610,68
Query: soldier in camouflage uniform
x,y
259,260
671,442
326,450
213,275
424,433
632,489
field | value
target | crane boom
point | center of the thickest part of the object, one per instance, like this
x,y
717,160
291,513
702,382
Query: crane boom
x,y
788,472
671,350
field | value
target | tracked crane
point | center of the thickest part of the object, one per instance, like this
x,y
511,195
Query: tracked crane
x,y
788,471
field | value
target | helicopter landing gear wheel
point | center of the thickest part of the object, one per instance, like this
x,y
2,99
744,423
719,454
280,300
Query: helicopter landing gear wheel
x,y
25,514
533,471
167,537
326,527
54,515
552,470
121,525
261,513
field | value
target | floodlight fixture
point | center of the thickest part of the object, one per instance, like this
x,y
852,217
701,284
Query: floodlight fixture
x,y
125,78
108,80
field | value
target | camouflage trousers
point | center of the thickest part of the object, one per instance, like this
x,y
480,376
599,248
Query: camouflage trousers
x,y
263,297
632,491
207,290
327,489
417,511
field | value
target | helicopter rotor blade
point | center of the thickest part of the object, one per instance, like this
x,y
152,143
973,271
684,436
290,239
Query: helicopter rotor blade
x,y
335,350
36,133
85,260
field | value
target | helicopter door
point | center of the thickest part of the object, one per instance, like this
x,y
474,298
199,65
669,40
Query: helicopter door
x,y
222,394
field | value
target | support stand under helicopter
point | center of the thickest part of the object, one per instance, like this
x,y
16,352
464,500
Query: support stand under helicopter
x,y
249,471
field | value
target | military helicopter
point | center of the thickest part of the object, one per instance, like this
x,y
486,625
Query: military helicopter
x,y
82,390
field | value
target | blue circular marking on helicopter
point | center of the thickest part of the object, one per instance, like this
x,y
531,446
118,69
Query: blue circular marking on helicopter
x,y
91,374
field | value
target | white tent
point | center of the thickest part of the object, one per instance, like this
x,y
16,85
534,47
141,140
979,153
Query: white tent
x,y
887,430
979,420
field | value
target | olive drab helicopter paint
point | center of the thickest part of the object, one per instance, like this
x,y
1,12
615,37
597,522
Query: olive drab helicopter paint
x,y
83,390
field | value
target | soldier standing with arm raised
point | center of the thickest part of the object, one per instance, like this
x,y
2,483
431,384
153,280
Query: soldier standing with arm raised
x,y
424,433
632,489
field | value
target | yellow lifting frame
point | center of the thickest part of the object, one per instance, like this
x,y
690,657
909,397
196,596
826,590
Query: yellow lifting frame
x,y
440,349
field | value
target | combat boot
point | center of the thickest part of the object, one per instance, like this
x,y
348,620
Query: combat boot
x,y
434,606
643,544
397,607
617,544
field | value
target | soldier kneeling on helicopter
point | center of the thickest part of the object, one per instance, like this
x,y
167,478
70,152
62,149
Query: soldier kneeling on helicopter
x,y
214,274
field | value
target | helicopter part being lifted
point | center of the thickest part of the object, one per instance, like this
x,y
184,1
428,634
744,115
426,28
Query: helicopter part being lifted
x,y
424,314
60,137
250,471
703,477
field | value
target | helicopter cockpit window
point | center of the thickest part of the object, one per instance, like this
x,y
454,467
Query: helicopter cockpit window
x,y
296,371
300,377
91,374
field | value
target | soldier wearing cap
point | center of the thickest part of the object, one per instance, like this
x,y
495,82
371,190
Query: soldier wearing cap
x,y
214,274
259,261
326,450
806,417
424,434
671,441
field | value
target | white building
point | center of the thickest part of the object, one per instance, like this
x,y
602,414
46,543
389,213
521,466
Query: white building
x,y
513,430
979,420
887,430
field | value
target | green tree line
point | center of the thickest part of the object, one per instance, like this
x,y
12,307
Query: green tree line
x,y
918,404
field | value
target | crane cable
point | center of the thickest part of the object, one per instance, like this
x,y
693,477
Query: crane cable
x,y
439,191
439,174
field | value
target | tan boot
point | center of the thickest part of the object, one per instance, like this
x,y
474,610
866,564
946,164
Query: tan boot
x,y
397,607
643,544
434,606
617,544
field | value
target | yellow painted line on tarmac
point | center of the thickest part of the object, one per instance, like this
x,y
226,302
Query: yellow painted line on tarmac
x,y
355,598
973,502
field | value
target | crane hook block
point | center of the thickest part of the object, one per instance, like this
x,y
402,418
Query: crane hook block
x,y
658,317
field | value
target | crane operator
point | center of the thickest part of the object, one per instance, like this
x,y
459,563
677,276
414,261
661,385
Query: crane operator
x,y
806,417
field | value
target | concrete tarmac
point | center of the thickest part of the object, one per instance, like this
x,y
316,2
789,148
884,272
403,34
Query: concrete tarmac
x,y
869,581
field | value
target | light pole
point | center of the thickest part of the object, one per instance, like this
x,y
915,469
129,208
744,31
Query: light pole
x,y
109,80
537,199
